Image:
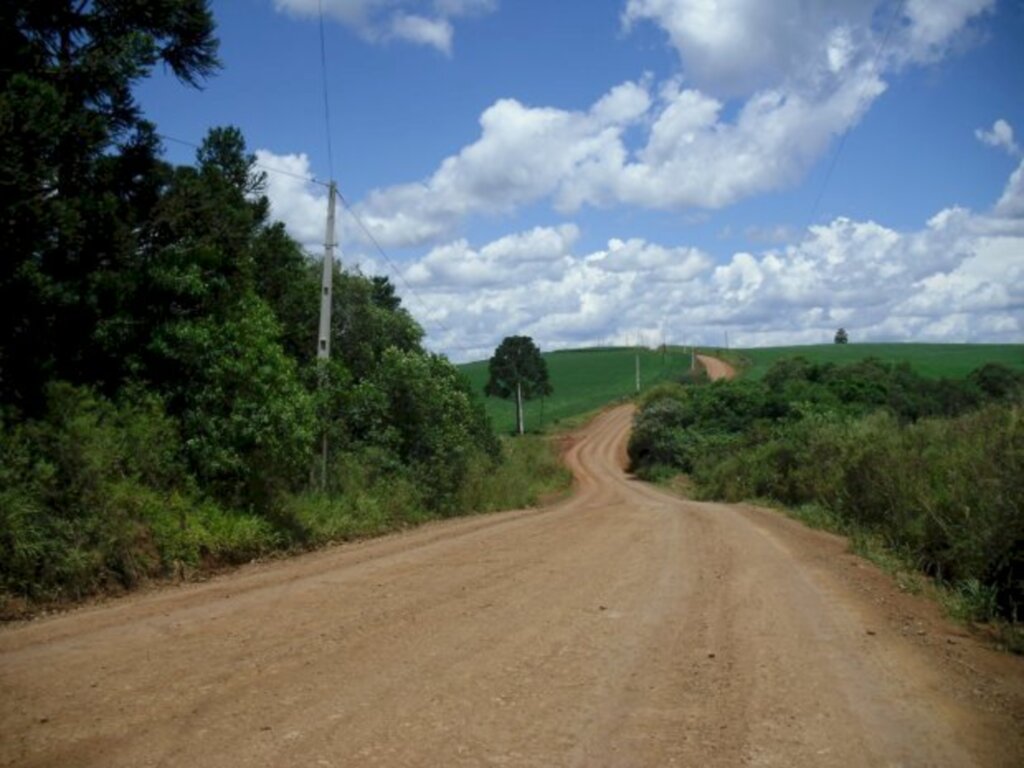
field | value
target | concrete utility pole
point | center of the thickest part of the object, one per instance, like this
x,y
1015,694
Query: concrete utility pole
x,y
638,370
323,347
519,406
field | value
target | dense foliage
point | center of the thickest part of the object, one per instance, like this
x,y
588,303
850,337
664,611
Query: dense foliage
x,y
161,407
933,467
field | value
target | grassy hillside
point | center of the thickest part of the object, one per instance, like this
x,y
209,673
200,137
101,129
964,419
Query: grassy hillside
x,y
583,380
586,379
934,361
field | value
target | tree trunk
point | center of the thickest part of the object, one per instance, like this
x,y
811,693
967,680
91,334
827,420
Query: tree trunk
x,y
519,408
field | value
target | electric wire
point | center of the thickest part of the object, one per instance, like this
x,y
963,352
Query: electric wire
x,y
399,274
327,103
392,266
897,14
261,166
349,208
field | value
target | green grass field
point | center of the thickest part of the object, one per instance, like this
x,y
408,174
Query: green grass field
x,y
583,380
951,361
587,379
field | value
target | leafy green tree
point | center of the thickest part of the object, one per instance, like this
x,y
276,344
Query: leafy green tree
x,y
286,279
997,381
518,370
841,336
367,320
418,415
247,422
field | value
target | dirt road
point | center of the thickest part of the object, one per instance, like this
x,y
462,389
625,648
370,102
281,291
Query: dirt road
x,y
717,369
624,627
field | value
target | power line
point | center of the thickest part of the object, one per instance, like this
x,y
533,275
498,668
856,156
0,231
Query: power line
x,y
327,105
398,273
897,14
362,226
261,166
366,231
351,211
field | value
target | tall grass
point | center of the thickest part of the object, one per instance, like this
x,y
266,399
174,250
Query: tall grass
x,y
370,504
946,493
95,498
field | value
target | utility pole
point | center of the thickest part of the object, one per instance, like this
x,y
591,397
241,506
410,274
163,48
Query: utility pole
x,y
638,364
693,357
323,347
519,406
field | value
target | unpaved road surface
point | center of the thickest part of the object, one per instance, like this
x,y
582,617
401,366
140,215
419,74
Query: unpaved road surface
x,y
623,627
717,369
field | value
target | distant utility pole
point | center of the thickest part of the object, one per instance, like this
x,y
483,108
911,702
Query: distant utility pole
x,y
323,347
519,408
693,357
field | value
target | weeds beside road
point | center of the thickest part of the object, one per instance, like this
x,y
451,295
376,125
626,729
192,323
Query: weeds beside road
x,y
931,471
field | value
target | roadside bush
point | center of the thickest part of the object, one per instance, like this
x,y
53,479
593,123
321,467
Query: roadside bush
x,y
95,496
418,409
529,470
947,493
867,447
247,422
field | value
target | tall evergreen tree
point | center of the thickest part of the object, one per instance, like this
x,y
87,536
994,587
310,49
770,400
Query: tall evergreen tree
x,y
77,168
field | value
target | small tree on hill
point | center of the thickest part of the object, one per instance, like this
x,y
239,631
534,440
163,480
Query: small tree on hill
x,y
841,337
518,371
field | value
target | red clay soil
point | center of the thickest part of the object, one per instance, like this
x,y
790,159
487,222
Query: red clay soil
x,y
717,369
622,627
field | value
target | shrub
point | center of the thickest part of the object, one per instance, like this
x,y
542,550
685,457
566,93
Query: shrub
x,y
866,447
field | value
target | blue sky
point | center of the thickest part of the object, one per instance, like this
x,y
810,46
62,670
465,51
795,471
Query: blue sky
x,y
597,171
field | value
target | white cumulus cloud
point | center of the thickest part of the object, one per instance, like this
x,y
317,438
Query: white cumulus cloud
x,y
1000,136
736,47
1011,203
414,21
420,29
733,48
299,204
764,89
691,156
959,277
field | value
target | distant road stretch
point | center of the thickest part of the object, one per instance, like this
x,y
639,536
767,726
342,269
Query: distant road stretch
x,y
717,369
